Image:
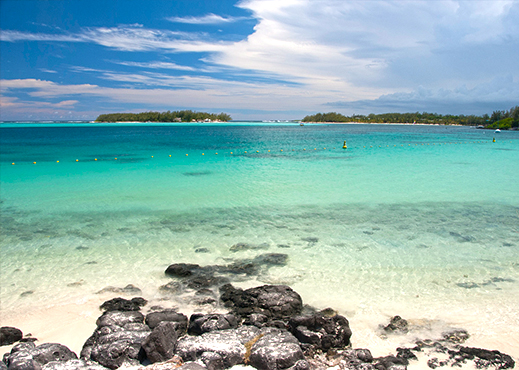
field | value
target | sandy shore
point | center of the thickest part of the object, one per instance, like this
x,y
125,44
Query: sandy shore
x,y
71,324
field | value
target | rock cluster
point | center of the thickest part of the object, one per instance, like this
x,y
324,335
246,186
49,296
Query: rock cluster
x,y
266,327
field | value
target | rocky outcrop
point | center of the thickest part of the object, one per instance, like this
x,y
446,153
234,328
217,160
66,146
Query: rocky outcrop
x,y
267,329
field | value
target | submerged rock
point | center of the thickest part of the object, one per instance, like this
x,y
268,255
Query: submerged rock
x,y
181,269
397,325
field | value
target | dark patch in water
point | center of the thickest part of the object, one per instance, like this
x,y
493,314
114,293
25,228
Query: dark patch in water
x,y
310,239
502,280
463,238
26,293
201,173
470,285
81,248
201,250
283,246
246,246
91,263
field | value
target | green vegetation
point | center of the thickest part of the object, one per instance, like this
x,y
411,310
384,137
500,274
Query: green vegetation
x,y
499,119
178,116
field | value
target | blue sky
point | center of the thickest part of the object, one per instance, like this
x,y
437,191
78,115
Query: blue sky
x,y
256,59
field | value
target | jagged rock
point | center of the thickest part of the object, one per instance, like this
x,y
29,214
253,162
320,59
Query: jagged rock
x,y
121,304
320,331
273,301
200,323
119,348
161,343
73,365
117,339
9,335
153,319
277,349
397,324
228,344
181,269
30,357
3,366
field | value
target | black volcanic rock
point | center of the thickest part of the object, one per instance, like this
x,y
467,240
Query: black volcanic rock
x,y
9,335
153,319
160,345
273,301
121,304
31,357
200,323
320,331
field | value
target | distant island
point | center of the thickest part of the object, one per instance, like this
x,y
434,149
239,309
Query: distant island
x,y
177,116
503,120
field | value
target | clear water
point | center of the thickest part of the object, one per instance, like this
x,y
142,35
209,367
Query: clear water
x,y
420,221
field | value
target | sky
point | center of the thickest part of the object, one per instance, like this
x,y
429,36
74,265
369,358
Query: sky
x,y
256,59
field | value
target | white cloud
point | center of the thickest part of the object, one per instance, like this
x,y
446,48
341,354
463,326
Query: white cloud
x,y
156,65
205,19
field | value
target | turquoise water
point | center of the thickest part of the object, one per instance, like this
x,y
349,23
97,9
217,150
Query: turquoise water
x,y
420,221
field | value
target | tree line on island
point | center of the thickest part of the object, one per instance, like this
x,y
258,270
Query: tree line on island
x,y
499,119
177,116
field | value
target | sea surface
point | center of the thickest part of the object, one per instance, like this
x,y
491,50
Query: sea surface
x,y
409,220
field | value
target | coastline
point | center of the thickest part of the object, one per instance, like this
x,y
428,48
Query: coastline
x,y
72,324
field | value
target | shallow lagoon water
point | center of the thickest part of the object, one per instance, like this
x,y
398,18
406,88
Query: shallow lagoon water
x,y
417,221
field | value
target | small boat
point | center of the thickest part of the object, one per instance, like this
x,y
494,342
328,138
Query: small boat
x,y
498,130
301,124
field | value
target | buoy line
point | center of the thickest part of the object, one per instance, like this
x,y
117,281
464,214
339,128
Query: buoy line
x,y
344,147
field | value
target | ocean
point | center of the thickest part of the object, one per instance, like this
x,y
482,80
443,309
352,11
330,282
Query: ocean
x,y
410,220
